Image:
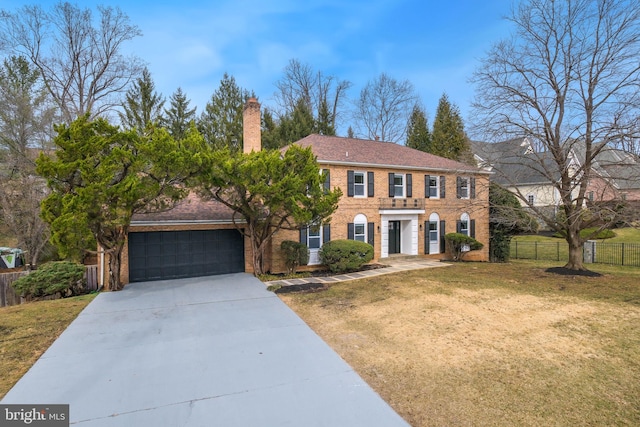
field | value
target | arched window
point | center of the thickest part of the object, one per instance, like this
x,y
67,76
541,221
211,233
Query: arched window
x,y
433,234
463,224
360,228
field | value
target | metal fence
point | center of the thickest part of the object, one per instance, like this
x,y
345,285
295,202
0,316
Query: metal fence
x,y
593,252
9,297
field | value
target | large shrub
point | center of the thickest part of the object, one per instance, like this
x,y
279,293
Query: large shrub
x,y
295,254
345,255
64,278
460,244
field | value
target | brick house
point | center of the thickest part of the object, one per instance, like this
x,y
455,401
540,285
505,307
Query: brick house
x,y
400,200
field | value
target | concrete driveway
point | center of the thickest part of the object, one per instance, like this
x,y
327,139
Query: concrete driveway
x,y
210,351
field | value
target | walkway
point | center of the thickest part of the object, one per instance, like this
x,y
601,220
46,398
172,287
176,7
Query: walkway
x,y
394,266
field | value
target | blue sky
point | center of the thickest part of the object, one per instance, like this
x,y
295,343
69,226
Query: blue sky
x,y
434,44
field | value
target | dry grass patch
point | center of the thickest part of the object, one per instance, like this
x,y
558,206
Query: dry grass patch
x,y
490,344
27,331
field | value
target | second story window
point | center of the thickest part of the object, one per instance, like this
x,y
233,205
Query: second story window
x,y
434,190
398,184
359,183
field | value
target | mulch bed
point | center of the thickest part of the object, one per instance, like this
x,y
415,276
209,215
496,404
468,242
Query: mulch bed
x,y
305,287
567,272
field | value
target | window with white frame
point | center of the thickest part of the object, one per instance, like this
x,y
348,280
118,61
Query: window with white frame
x,y
464,224
463,187
398,184
314,237
434,187
359,184
531,198
360,228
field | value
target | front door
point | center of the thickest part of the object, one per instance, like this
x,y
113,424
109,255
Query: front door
x,y
394,237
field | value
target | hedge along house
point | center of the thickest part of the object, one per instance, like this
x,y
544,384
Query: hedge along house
x,y
400,200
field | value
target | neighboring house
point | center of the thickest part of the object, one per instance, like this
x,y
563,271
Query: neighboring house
x,y
533,174
519,168
400,200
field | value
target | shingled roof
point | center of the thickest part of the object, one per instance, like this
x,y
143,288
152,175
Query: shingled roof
x,y
339,150
191,209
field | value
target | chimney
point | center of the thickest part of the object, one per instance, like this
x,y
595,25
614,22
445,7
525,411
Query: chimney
x,y
251,126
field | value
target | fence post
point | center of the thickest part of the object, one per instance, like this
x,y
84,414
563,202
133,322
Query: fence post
x,y
536,250
516,249
623,253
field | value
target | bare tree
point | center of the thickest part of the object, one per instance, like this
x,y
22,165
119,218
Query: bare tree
x,y
317,90
383,109
81,62
568,80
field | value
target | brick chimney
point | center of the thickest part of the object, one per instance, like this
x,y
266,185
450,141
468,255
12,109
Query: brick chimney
x,y
251,126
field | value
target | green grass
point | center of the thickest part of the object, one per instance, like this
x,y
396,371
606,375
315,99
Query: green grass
x,y
27,330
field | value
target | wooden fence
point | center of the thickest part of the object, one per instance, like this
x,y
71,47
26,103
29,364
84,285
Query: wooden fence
x,y
9,297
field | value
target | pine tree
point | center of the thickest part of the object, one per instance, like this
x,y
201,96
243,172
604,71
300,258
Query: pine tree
x,y
298,124
221,122
418,135
143,105
448,138
179,116
324,123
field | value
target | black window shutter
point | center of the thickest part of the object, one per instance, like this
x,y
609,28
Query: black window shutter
x,y
458,226
473,188
350,184
350,231
427,181
392,189
458,187
409,185
327,180
426,237
472,228
326,233
370,184
442,233
370,233
303,236
442,186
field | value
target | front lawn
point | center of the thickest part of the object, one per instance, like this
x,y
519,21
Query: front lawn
x,y
27,331
490,344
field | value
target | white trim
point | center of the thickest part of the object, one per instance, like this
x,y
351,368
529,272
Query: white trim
x,y
409,230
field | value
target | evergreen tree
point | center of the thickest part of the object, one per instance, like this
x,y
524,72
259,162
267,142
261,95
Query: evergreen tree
x,y
271,139
448,138
221,122
350,133
143,105
418,135
298,124
324,123
179,116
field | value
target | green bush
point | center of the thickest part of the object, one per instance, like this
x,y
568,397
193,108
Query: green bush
x,y
63,277
295,255
458,241
345,255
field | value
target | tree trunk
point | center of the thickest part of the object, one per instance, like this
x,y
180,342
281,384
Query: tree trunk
x,y
115,262
575,251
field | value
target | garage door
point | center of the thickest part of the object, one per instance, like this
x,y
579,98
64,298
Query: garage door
x,y
175,254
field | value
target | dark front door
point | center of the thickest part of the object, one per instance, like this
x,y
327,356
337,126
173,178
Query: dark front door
x,y
394,237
